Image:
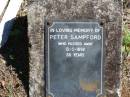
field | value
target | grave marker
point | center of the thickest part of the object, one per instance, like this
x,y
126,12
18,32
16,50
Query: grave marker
x,y
75,51
108,13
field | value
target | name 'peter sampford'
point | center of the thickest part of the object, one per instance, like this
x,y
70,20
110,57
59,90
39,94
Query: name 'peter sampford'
x,y
76,37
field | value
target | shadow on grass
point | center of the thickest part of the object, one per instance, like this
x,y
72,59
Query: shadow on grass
x,y
16,52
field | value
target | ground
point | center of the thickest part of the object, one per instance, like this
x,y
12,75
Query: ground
x,y
125,67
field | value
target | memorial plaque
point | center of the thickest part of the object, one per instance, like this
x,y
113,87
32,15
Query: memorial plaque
x,y
74,59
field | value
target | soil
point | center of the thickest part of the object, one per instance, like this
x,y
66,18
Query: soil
x,y
125,67
14,59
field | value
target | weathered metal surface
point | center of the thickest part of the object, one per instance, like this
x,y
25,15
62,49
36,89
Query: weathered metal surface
x,y
74,59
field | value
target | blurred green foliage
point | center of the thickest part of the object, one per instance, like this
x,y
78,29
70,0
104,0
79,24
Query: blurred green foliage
x,y
126,36
126,39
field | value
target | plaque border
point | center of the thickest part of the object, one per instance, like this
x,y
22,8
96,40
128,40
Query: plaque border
x,y
48,53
